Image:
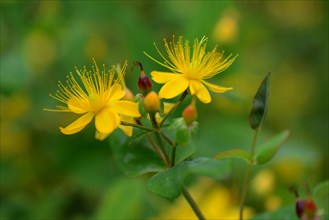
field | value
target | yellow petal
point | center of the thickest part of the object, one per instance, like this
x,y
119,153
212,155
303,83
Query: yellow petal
x,y
215,88
124,107
107,120
127,130
101,136
78,106
78,124
167,106
174,87
163,77
116,92
198,89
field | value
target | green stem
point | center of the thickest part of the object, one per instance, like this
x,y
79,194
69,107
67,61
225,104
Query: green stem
x,y
156,148
192,203
180,100
158,137
152,142
247,177
167,139
173,152
173,156
137,126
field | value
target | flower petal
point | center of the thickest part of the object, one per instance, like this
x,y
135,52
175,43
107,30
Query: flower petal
x,y
215,88
78,124
198,89
107,120
78,106
116,92
163,77
128,130
167,106
174,87
124,107
101,136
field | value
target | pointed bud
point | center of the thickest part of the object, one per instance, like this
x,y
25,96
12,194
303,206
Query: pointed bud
x,y
144,83
152,102
190,114
309,208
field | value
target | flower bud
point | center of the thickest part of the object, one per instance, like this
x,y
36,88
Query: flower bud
x,y
144,83
190,114
129,96
299,207
152,102
309,208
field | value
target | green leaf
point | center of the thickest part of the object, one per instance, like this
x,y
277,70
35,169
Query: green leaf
x,y
234,153
134,158
122,200
259,105
168,184
183,136
184,152
268,150
138,134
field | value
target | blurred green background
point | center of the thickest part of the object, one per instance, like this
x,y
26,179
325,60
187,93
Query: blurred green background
x,y
47,175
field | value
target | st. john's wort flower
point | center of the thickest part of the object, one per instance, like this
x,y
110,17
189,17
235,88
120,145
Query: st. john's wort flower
x,y
190,69
98,94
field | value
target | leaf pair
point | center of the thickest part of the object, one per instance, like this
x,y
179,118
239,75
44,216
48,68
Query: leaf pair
x,y
264,153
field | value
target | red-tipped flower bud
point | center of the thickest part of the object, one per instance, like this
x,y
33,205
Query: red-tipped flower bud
x,y
190,114
309,208
144,83
152,103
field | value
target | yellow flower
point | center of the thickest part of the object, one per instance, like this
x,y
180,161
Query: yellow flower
x,y
190,70
100,96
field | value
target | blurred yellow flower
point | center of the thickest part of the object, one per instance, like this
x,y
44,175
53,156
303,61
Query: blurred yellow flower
x,y
264,182
215,201
189,71
100,97
226,29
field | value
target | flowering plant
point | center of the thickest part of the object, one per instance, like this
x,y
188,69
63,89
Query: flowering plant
x,y
154,142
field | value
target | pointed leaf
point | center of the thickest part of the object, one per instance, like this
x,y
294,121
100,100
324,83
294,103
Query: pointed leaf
x,y
168,184
234,153
134,158
259,105
268,150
